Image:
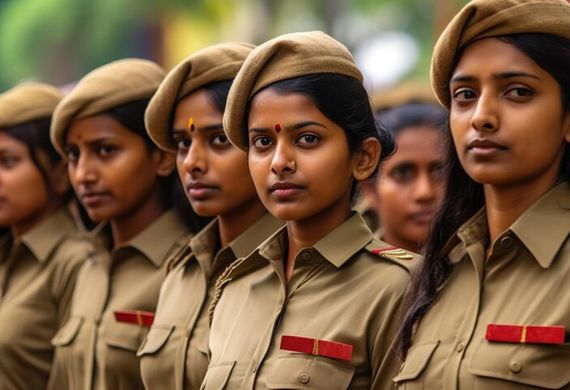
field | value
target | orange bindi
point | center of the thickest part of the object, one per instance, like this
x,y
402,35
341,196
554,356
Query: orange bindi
x,y
190,125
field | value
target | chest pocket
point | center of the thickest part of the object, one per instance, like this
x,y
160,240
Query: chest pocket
x,y
67,333
123,336
217,376
417,360
298,371
155,340
501,365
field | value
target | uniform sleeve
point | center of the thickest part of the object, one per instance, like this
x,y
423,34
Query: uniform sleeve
x,y
68,259
385,362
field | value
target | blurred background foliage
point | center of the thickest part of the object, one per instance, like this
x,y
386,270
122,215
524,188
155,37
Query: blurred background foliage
x,y
58,41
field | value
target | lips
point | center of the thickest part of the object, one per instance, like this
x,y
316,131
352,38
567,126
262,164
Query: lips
x,y
94,198
201,191
283,189
484,143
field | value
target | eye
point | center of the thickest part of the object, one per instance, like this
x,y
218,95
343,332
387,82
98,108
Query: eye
x,y
72,154
464,94
438,172
308,139
261,142
403,173
220,140
183,144
519,93
9,162
105,150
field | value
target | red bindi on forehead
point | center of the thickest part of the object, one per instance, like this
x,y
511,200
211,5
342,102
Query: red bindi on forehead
x,y
278,127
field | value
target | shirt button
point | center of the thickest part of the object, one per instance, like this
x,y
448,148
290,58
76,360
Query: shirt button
x,y
460,347
506,241
515,367
306,256
304,378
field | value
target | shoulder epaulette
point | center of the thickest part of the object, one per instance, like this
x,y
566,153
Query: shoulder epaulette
x,y
394,254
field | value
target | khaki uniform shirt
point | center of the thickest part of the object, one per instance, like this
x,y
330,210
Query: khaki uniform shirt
x,y
175,352
37,275
340,291
93,350
525,281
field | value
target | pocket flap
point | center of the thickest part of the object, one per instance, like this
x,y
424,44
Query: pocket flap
x,y
300,371
154,340
416,360
124,336
544,366
67,332
218,375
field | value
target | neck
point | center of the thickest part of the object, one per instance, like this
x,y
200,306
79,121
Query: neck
x,y
307,232
234,223
506,204
126,227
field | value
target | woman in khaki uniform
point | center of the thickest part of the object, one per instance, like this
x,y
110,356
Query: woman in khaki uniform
x,y
185,116
123,179
491,308
41,252
317,304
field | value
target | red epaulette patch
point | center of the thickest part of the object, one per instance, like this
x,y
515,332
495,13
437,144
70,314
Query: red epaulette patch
x,y
141,318
317,347
522,334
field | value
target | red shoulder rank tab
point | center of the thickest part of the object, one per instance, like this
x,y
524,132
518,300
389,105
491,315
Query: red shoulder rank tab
x,y
317,347
522,334
399,253
141,318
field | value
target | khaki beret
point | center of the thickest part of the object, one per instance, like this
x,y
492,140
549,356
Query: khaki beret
x,y
26,103
491,18
284,57
214,63
102,89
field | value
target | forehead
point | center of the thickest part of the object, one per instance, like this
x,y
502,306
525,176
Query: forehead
x,y
96,127
271,104
199,106
7,142
491,55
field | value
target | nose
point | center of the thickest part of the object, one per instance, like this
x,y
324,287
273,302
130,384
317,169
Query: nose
x,y
425,188
82,171
283,162
195,162
485,117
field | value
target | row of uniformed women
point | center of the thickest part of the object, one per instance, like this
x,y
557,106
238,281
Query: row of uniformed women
x,y
316,301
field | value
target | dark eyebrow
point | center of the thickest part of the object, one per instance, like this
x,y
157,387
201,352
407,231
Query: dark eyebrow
x,y
296,126
500,76
214,127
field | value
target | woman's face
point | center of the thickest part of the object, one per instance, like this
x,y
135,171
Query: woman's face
x,y
410,186
111,168
24,198
213,171
298,158
506,116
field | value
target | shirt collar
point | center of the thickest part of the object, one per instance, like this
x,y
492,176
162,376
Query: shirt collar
x,y
337,247
545,226
47,235
156,241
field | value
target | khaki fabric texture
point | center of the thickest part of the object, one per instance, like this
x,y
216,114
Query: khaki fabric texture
x,y
106,87
491,18
339,291
174,354
287,56
211,64
93,350
27,102
524,282
37,276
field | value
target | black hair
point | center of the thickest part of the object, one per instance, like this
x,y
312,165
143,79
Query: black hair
x,y
344,101
218,93
131,116
399,118
35,135
552,53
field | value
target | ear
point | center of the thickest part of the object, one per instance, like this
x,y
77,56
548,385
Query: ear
x,y
366,160
165,162
59,178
